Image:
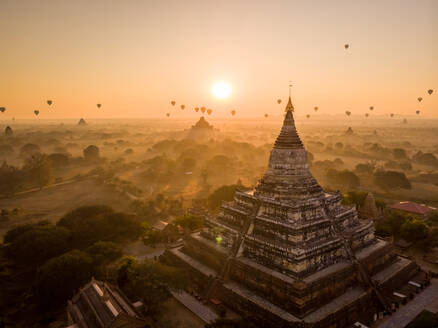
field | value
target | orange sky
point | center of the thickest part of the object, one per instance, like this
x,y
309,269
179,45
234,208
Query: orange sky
x,y
136,56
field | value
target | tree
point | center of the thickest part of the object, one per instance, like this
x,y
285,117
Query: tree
x,y
103,252
364,168
14,233
355,197
224,193
39,170
188,164
345,178
29,150
150,280
399,153
188,222
151,236
391,179
90,224
414,230
58,160
391,225
91,153
39,243
58,278
11,179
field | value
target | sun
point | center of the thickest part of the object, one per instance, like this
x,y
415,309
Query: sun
x,y
221,90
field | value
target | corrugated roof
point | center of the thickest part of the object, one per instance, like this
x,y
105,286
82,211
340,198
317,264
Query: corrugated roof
x,y
412,207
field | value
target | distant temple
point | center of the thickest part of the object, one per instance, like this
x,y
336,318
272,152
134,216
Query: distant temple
x,y
8,131
202,129
369,209
82,122
289,253
349,131
100,305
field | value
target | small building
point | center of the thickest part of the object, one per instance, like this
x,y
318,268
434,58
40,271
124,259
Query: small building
x,y
101,305
420,211
170,232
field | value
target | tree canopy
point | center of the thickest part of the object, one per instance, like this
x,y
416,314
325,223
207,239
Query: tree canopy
x,y
90,224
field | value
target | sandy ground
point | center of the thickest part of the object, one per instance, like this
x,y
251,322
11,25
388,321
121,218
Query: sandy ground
x,y
53,202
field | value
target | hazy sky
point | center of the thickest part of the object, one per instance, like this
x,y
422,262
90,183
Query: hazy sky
x,y
136,56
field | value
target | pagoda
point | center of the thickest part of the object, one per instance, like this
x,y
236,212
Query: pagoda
x,y
202,129
289,253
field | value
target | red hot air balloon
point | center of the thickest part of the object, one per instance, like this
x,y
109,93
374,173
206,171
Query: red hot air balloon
x,y
173,102
2,109
49,102
308,116
278,101
209,111
371,108
347,112
417,112
346,46
182,107
316,109
203,109
99,105
419,99
36,112
266,115
430,91
233,112
196,109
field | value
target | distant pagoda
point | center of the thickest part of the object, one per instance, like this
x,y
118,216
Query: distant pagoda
x,y
349,131
290,254
369,209
8,131
202,129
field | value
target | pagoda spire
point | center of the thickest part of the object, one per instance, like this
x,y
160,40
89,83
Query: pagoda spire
x,y
288,137
289,106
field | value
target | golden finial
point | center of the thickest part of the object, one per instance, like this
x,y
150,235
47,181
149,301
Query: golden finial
x,y
289,106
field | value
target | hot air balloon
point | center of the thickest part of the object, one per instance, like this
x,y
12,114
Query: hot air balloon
x,y
417,112
173,102
196,109
392,115
36,112
347,112
182,107
371,108
167,114
49,102
266,115
209,111
419,99
316,109
233,112
278,101
366,115
346,46
430,91
2,109
99,105
308,116
203,109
